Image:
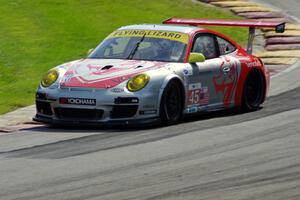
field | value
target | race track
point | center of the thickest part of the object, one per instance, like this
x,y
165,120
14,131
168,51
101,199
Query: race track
x,y
223,155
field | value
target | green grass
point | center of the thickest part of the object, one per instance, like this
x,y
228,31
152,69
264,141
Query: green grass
x,y
38,35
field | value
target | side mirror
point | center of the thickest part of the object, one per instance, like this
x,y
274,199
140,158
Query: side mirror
x,y
196,57
90,51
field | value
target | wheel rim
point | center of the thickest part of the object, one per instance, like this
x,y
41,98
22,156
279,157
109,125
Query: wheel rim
x,y
173,103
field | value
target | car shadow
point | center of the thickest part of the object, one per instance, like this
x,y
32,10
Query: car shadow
x,y
133,128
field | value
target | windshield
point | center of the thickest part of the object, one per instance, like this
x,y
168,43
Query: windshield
x,y
143,45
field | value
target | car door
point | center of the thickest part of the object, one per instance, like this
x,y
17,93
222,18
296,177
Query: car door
x,y
225,82
212,83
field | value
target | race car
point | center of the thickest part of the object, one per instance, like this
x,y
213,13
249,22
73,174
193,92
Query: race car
x,y
156,73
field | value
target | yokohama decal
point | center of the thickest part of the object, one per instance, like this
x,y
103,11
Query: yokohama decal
x,y
225,82
78,101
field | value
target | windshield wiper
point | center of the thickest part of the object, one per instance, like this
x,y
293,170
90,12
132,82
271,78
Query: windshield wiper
x,y
134,50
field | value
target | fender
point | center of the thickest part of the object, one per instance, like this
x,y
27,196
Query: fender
x,y
165,83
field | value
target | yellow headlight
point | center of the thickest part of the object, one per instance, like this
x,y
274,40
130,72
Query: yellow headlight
x,y
138,82
49,78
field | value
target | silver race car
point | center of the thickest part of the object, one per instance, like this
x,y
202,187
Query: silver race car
x,y
151,73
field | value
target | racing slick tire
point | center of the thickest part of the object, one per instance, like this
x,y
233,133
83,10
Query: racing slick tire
x,y
253,92
171,105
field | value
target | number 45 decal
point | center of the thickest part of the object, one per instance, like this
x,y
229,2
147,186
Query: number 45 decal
x,y
194,96
198,96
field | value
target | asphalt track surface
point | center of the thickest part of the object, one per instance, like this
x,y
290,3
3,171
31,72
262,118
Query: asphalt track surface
x,y
291,7
223,155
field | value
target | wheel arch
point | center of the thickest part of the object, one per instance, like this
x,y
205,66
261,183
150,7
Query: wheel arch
x,y
168,79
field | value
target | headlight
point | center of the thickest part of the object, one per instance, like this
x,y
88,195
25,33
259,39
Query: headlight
x,y
138,82
49,78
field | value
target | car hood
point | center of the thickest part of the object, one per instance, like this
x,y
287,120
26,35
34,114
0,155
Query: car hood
x,y
104,73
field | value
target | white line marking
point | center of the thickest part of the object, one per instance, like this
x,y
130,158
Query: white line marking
x,y
289,69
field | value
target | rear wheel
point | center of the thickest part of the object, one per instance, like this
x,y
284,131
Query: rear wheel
x,y
254,91
171,105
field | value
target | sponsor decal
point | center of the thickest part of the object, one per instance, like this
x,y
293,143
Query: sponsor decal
x,y
193,109
117,90
77,101
177,36
187,72
253,64
195,86
198,95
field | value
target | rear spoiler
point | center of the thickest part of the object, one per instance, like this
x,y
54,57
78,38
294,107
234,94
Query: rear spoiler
x,y
251,24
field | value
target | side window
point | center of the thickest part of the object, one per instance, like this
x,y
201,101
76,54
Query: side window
x,y
225,47
205,44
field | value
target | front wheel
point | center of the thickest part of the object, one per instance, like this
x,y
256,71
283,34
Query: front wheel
x,y
171,105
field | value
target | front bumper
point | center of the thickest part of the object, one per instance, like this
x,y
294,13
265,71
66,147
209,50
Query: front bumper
x,y
122,108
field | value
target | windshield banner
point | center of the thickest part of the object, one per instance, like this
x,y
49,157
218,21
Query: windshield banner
x,y
180,37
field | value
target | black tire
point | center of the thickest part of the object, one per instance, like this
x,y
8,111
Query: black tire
x,y
253,92
171,105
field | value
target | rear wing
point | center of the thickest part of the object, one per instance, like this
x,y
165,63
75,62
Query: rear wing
x,y
279,26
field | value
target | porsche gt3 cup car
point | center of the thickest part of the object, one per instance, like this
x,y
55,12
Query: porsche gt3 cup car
x,y
151,73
